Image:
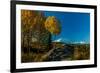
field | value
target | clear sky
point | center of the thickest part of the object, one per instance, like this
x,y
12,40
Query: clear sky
x,y
75,26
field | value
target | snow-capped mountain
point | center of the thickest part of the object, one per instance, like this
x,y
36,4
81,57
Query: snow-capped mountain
x,y
58,40
80,42
68,41
63,40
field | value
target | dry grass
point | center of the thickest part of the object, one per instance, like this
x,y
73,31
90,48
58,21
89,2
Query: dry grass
x,y
80,52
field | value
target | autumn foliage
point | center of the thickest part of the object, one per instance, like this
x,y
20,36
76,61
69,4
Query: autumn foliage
x,y
36,44
53,25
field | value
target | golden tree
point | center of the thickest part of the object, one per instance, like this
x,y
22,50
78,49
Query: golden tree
x,y
53,25
32,24
28,21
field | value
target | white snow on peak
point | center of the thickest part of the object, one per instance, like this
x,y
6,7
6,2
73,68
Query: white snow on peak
x,y
58,40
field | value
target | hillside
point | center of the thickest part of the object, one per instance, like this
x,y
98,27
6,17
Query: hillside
x,y
58,52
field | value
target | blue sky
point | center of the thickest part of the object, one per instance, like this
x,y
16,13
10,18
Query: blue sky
x,y
75,26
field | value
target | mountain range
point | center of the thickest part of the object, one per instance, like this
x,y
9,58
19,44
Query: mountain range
x,y
69,42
